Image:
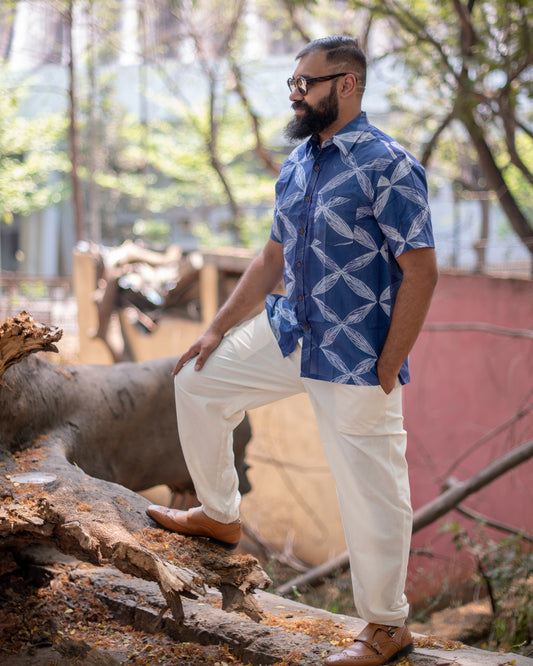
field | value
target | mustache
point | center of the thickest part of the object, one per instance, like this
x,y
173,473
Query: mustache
x,y
299,104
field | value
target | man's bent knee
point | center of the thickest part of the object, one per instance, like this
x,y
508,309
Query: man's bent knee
x,y
188,379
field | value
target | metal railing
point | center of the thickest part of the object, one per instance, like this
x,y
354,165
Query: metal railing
x,y
49,300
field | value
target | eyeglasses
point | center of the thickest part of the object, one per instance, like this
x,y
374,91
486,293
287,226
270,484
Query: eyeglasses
x,y
301,83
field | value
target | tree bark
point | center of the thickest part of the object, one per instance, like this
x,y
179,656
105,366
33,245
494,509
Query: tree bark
x,y
497,184
270,163
75,442
77,199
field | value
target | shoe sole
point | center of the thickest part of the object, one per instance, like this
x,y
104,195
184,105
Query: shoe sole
x,y
217,542
401,653
224,544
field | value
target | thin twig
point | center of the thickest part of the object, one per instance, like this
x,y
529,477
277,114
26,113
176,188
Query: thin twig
x,y
480,327
474,515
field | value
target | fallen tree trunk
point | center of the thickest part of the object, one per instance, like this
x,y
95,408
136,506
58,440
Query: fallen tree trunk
x,y
455,493
117,423
75,442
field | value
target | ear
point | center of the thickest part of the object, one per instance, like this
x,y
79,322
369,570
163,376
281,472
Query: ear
x,y
349,86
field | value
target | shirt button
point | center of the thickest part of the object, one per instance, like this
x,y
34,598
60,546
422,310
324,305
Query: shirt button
x,y
306,328
307,198
317,167
299,264
301,231
300,298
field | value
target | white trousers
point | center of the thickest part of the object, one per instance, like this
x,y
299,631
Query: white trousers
x,y
361,429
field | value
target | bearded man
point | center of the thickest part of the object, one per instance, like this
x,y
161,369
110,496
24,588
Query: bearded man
x,y
353,242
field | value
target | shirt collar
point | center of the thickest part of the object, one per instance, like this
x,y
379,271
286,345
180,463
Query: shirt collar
x,y
345,137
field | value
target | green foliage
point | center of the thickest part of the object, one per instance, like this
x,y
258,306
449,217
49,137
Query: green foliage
x,y
30,157
154,231
506,569
458,71
517,181
33,289
166,165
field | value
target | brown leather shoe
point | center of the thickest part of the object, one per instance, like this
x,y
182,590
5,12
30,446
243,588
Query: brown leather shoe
x,y
377,644
194,522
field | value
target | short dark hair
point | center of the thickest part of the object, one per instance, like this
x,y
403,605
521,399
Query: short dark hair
x,y
340,50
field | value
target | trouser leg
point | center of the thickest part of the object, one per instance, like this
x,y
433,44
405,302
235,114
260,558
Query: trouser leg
x,y
247,370
362,432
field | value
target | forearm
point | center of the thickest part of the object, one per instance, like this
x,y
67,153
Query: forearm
x,y
262,276
249,293
408,315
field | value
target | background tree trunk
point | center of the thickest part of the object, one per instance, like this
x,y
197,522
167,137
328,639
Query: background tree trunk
x,y
77,198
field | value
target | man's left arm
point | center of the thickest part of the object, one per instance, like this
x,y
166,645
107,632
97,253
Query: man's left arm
x,y
420,275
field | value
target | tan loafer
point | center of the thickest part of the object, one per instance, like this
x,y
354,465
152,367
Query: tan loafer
x,y
194,522
377,644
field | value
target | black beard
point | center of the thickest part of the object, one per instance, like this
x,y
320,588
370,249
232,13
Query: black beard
x,y
314,120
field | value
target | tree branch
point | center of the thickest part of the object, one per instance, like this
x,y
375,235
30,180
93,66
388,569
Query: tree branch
x,y
430,512
481,327
468,35
415,26
490,435
432,143
296,24
480,518
459,490
272,166
507,115
496,181
73,449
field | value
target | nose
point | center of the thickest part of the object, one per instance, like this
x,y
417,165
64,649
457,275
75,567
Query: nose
x,y
296,95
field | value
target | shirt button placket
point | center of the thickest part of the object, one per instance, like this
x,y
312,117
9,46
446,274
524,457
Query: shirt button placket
x,y
300,252
301,231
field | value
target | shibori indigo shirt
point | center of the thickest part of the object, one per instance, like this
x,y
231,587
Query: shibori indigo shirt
x,y
343,213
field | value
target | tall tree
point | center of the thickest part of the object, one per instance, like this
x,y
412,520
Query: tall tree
x,y
470,65
79,209
213,29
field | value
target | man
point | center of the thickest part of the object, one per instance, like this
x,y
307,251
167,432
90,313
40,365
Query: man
x,y
352,239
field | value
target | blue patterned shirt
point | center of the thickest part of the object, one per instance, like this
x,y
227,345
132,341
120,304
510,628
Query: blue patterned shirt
x,y
343,213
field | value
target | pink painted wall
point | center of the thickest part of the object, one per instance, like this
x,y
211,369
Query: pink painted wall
x,y
465,385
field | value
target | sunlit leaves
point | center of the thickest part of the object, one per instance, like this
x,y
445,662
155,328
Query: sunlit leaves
x,y
30,156
471,67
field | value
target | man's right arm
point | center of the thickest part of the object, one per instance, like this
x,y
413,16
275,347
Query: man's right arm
x,y
260,278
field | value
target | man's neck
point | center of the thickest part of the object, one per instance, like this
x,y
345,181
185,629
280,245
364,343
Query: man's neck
x,y
336,127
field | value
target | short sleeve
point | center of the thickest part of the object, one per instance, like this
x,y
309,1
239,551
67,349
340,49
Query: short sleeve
x,y
401,206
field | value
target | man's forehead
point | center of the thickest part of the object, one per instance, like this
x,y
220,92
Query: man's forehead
x,y
312,64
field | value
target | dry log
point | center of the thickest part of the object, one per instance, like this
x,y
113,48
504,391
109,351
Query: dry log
x,y
74,444
142,269
117,423
132,253
21,336
455,493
